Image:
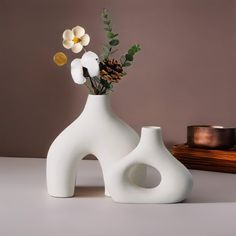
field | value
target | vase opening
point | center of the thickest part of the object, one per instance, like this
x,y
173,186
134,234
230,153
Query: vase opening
x,y
98,95
152,178
151,136
152,127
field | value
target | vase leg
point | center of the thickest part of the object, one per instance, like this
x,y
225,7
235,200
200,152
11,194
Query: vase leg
x,y
62,165
107,194
104,171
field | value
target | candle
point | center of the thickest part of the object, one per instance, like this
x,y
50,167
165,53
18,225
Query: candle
x,y
211,137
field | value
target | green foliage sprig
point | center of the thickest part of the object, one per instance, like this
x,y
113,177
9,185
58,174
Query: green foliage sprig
x,y
126,60
112,37
108,49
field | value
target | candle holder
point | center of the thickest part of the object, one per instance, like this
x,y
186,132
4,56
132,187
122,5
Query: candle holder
x,y
210,137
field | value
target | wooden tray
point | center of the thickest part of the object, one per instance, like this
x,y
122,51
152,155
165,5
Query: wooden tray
x,y
204,159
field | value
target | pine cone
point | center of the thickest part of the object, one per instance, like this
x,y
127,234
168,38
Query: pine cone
x,y
111,70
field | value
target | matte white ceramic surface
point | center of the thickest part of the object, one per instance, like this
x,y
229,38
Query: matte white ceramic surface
x,y
96,131
176,180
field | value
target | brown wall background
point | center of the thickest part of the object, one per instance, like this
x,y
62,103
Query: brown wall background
x,y
185,73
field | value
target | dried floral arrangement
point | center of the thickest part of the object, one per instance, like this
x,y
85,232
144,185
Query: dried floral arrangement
x,y
97,73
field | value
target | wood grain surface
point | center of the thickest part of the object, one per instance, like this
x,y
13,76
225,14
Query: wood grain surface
x,y
204,159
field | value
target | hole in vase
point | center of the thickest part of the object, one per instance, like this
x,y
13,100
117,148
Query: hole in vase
x,y
89,183
144,176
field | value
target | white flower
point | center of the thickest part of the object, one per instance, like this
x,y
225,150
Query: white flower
x,y
77,71
90,61
75,39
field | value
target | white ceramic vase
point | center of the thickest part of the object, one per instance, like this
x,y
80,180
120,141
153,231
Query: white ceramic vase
x,y
176,180
96,131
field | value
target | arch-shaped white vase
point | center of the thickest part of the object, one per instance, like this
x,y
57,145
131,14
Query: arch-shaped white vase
x,y
176,181
96,131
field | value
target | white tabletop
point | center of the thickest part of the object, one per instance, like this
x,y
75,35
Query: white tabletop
x,y
27,210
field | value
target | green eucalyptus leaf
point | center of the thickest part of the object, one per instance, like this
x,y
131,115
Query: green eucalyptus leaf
x,y
115,35
137,47
104,13
127,64
129,57
105,83
107,22
114,42
106,49
110,35
131,51
122,59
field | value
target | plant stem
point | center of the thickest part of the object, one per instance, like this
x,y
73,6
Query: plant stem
x,y
102,89
89,88
94,87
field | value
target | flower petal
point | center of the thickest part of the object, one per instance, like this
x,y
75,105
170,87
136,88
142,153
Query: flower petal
x,y
68,34
76,62
77,72
90,61
76,48
85,40
67,44
78,31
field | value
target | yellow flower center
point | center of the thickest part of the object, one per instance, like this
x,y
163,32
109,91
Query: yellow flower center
x,y
76,40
